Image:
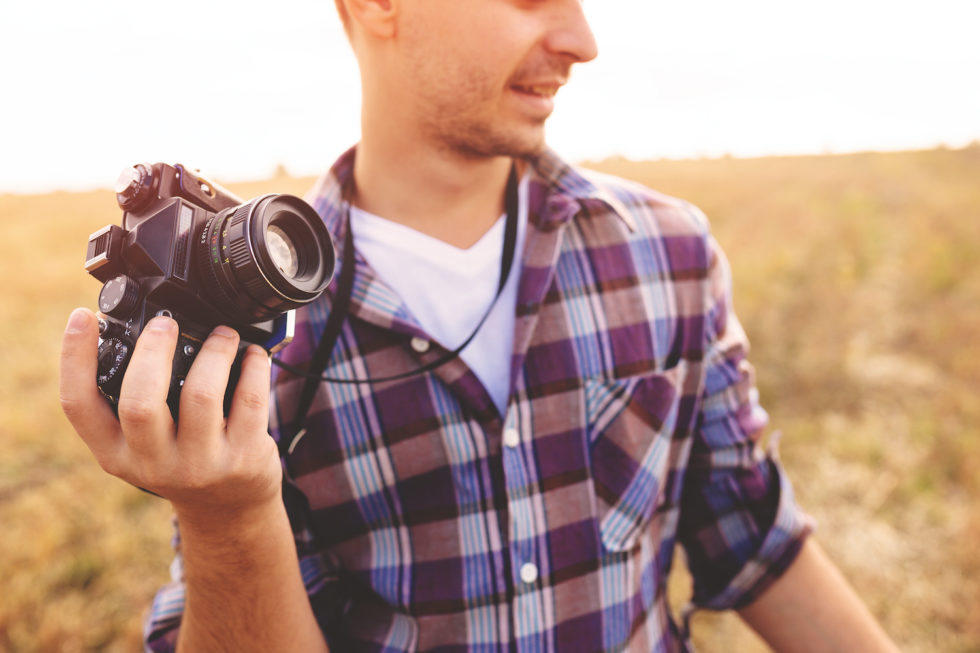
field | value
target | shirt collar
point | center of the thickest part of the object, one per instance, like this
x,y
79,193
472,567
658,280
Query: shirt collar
x,y
556,192
560,186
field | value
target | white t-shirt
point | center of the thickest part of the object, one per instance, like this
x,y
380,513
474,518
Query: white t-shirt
x,y
448,289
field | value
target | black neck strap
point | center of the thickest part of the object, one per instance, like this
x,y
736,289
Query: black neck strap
x,y
341,303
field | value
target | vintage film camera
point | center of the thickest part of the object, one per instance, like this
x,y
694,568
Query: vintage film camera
x,y
190,249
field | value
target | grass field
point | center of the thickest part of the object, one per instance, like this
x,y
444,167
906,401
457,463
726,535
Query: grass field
x,y
856,278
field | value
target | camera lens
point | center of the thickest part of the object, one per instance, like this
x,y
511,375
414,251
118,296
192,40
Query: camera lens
x,y
282,250
265,257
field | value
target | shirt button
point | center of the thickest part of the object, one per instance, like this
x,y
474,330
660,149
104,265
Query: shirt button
x,y
511,438
421,345
529,572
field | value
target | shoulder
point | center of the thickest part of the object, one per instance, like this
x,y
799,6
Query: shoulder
x,y
648,255
646,211
659,236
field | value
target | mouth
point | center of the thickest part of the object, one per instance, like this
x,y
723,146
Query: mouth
x,y
544,90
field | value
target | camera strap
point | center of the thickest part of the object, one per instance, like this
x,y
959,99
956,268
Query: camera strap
x,y
313,375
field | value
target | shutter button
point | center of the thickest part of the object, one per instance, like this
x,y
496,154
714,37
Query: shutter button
x,y
529,572
421,345
511,438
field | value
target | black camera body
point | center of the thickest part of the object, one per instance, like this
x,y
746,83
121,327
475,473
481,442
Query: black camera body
x,y
190,249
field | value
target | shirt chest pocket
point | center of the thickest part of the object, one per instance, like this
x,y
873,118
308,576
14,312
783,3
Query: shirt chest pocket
x,y
630,422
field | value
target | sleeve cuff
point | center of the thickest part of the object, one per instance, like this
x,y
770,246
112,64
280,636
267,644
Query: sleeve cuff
x,y
163,622
779,548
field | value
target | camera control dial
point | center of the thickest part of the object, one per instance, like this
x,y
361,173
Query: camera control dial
x,y
119,296
113,355
134,187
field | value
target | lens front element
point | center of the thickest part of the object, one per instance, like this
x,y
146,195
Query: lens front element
x,y
282,251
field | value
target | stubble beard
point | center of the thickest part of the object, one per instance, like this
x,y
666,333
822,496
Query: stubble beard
x,y
461,121
479,141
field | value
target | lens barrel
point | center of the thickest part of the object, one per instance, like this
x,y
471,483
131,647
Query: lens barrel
x,y
265,257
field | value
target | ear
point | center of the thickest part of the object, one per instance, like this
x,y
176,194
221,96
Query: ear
x,y
375,17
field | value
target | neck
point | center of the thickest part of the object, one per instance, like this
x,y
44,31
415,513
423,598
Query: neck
x,y
439,193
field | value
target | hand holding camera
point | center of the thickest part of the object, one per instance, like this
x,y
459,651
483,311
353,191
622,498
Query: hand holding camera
x,y
212,469
198,288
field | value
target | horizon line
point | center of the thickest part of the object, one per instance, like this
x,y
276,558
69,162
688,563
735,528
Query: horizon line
x,y
281,170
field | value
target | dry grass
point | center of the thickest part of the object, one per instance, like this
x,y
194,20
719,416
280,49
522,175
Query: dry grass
x,y
855,278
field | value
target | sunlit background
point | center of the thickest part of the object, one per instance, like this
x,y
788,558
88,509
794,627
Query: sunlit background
x,y
237,88
855,274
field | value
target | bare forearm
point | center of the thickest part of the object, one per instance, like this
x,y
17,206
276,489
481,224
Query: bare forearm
x,y
222,474
244,589
812,608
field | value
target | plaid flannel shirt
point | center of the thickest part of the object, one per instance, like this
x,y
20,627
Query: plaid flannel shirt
x,y
425,520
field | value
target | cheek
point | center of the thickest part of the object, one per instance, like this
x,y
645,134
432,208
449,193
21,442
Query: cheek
x,y
451,76
465,44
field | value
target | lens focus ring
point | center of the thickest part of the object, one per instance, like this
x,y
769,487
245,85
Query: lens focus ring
x,y
241,290
235,238
238,260
208,259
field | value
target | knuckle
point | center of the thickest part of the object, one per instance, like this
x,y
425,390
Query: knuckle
x,y
135,409
72,407
251,400
150,479
197,482
69,352
110,465
200,396
155,475
241,472
193,477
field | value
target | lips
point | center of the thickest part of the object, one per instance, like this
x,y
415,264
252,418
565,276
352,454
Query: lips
x,y
540,89
535,93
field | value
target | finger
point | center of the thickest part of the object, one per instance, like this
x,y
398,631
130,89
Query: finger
x,y
250,405
83,404
202,396
143,413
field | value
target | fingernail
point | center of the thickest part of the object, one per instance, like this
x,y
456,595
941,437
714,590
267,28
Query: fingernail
x,y
77,321
224,332
161,324
255,350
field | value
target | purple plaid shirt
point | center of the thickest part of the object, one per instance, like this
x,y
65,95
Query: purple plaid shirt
x,y
426,520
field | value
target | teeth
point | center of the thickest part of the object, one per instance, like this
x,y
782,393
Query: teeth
x,y
546,91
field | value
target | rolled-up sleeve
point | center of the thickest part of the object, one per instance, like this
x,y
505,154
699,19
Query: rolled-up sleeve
x,y
740,526
163,621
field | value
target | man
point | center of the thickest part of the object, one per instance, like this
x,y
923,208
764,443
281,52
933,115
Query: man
x,y
525,495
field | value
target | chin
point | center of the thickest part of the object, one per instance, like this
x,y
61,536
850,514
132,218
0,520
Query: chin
x,y
527,141
519,143
531,148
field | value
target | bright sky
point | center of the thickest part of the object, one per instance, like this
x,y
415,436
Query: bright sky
x,y
234,88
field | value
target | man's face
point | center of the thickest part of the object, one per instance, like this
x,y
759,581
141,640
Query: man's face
x,y
481,75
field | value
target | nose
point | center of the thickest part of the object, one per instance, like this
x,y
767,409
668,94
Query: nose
x,y
571,35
